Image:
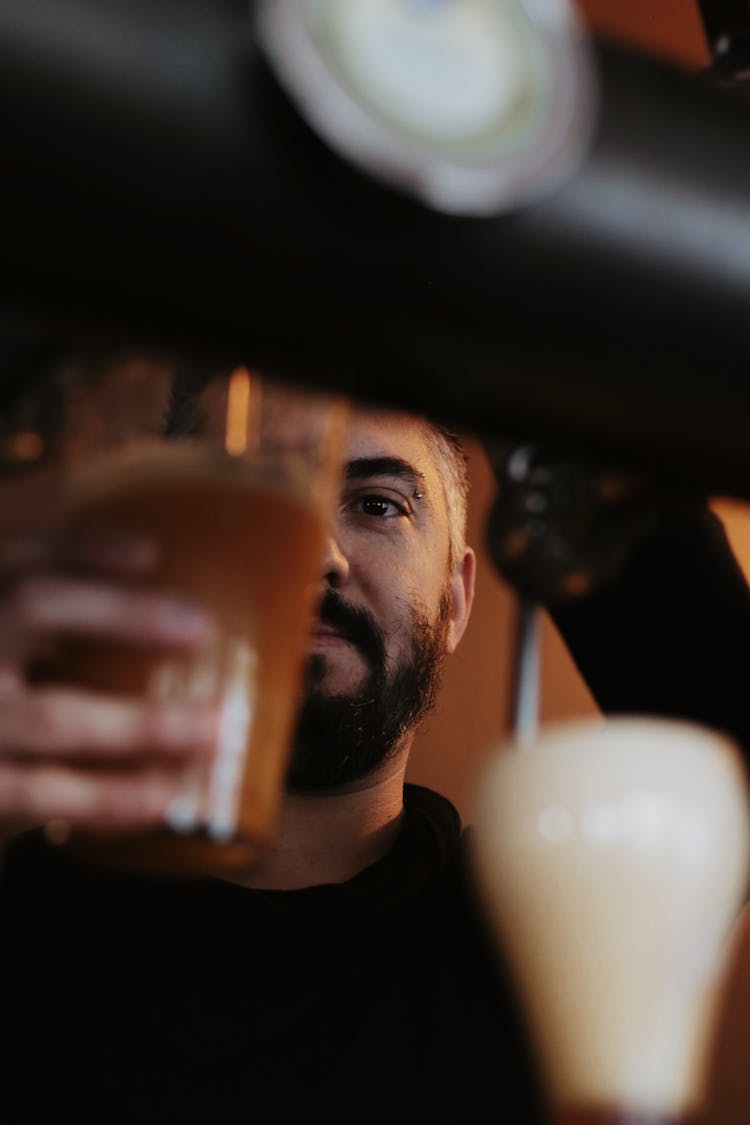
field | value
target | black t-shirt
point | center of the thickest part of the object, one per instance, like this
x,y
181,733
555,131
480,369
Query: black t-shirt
x,y
381,999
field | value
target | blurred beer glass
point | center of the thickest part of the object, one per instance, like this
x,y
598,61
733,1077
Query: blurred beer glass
x,y
238,497
613,860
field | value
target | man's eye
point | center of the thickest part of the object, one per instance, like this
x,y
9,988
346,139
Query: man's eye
x,y
380,506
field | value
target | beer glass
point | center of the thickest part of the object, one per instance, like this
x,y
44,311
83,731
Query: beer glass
x,y
235,478
613,859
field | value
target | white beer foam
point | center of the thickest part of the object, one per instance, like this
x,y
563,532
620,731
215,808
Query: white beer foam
x,y
613,857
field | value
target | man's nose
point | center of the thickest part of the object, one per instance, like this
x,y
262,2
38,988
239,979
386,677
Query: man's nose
x,y
335,562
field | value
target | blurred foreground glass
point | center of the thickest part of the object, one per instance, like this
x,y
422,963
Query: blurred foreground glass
x,y
613,860
238,500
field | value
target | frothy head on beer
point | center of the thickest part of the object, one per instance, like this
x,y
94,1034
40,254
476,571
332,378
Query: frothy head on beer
x,y
613,860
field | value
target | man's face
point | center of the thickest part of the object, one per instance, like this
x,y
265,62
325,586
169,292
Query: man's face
x,y
390,609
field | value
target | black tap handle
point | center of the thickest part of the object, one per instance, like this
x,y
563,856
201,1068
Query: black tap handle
x,y
562,526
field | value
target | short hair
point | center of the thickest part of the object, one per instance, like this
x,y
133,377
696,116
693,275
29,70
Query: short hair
x,y
448,449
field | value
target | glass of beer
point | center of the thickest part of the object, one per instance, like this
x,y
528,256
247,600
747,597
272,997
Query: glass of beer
x,y
613,861
234,478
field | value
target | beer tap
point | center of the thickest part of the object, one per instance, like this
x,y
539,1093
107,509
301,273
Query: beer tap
x,y
560,527
612,854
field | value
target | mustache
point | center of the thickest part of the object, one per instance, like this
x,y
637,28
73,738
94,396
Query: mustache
x,y
355,625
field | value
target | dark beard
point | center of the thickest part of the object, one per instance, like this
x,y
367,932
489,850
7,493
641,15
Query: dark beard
x,y
343,738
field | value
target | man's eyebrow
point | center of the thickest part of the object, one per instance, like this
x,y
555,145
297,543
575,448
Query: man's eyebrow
x,y
362,467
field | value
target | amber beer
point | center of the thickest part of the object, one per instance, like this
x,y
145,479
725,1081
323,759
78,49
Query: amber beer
x,y
245,544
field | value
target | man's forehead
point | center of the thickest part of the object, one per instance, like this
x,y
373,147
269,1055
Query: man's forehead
x,y
379,433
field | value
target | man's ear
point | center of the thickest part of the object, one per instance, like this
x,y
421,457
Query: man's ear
x,y
462,581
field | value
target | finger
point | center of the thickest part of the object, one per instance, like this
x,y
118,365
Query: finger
x,y
24,550
117,551
60,722
47,604
121,799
